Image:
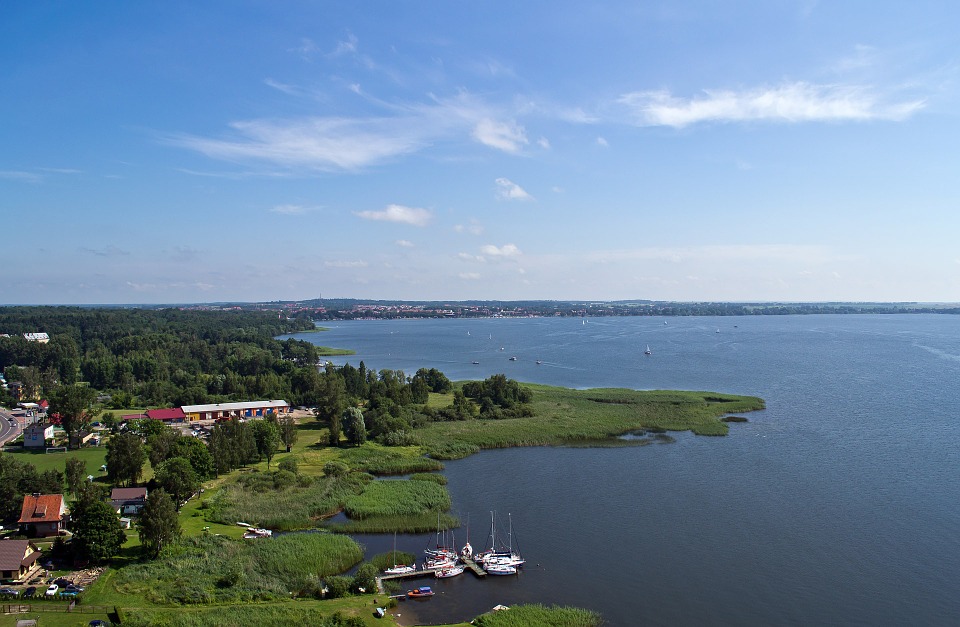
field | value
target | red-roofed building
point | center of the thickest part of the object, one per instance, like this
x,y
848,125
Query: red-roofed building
x,y
42,515
173,414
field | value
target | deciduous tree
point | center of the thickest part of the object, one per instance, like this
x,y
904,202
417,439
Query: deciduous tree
x,y
97,535
178,478
125,459
72,403
158,525
76,472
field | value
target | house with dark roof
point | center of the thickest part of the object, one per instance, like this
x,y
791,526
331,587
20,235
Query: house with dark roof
x,y
173,414
19,560
128,500
43,515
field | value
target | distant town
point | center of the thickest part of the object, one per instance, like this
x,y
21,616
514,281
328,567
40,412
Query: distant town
x,y
358,309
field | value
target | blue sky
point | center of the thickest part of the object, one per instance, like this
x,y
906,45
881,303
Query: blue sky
x,y
163,152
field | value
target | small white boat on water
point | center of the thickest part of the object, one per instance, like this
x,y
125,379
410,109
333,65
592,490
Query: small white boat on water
x,y
452,571
648,351
399,569
500,569
254,532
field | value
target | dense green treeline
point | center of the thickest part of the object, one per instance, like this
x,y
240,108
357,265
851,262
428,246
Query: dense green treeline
x,y
156,356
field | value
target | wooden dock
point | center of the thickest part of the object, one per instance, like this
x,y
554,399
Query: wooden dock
x,y
425,572
473,566
428,572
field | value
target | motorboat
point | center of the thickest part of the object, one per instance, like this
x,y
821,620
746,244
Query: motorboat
x,y
422,591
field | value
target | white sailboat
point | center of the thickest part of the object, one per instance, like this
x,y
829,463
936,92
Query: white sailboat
x,y
398,569
648,351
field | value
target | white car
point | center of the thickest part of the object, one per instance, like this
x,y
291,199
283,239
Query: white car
x,y
52,590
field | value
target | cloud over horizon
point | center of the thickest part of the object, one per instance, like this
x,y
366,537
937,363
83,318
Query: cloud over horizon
x,y
788,102
400,214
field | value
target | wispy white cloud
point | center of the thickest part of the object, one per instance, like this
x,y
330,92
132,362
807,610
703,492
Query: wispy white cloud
x,y
17,175
345,264
472,258
311,143
469,276
404,243
789,102
508,190
505,136
290,90
503,252
398,213
544,143
602,141
474,228
293,210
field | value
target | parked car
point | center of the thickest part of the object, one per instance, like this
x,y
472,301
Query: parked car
x,y
98,623
9,592
69,593
63,582
52,590
73,588
29,592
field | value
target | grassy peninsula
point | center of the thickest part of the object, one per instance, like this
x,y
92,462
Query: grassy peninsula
x,y
567,417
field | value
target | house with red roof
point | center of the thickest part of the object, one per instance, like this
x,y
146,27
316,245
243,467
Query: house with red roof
x,y
43,515
173,414
18,560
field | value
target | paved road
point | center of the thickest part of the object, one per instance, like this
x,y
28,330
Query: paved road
x,y
9,428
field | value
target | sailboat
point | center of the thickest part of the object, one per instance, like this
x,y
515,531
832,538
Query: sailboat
x,y
648,351
497,561
442,556
398,569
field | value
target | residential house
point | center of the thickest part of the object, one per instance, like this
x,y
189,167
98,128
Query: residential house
x,y
82,438
19,560
43,515
37,434
42,338
128,500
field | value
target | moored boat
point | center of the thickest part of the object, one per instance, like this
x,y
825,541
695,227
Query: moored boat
x,y
452,571
422,591
500,569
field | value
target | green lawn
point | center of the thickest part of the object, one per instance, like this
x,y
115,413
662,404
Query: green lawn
x,y
93,456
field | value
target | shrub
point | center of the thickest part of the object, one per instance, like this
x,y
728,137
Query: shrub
x,y
335,469
338,586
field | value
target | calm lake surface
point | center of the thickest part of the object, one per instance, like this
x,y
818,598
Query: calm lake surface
x,y
838,504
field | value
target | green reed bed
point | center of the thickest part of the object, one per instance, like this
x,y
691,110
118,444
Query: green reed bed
x,y
381,460
293,507
213,569
539,616
429,476
397,498
244,616
564,416
425,522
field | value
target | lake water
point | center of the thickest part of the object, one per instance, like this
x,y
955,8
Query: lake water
x,y
838,504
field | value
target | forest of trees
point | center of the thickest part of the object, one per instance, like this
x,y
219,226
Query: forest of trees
x,y
160,357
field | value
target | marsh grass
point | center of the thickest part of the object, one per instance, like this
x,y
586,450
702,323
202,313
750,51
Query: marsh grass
x,y
382,460
571,417
539,615
424,522
295,507
213,569
334,613
429,476
397,498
